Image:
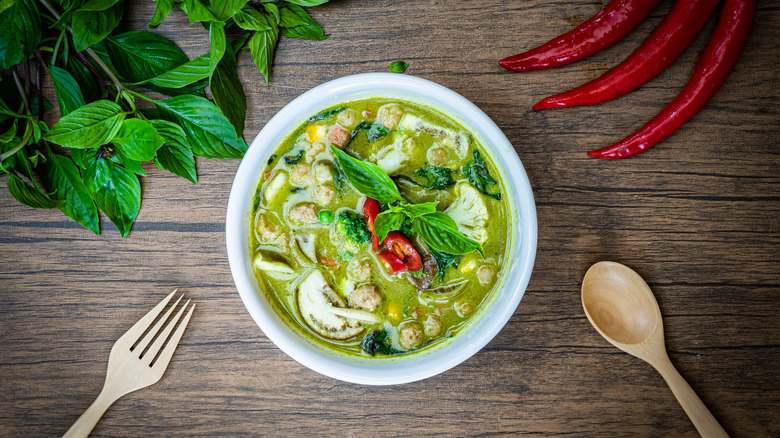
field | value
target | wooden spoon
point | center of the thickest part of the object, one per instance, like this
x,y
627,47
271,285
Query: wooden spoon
x,y
621,307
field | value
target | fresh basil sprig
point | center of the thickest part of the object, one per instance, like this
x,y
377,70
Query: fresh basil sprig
x,y
367,178
107,135
437,229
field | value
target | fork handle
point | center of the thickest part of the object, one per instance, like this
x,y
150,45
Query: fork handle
x,y
87,421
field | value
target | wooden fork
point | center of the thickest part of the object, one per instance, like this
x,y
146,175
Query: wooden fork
x,y
130,367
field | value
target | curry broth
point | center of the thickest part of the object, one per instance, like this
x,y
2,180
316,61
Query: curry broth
x,y
401,302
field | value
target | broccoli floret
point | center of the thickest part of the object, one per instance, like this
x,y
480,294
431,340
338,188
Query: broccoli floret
x,y
351,227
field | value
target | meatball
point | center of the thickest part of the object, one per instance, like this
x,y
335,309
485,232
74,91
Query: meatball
x,y
302,176
389,115
486,274
338,136
437,155
359,269
411,335
326,193
348,118
432,325
366,297
305,213
267,231
323,171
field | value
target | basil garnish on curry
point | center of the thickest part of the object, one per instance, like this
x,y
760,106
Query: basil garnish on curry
x,y
357,254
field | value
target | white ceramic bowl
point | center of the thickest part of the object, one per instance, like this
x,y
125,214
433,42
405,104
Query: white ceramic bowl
x,y
491,316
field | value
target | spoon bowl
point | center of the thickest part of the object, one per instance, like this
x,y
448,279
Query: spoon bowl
x,y
619,304
622,308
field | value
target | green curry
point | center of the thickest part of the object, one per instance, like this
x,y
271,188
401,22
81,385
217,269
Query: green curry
x,y
379,228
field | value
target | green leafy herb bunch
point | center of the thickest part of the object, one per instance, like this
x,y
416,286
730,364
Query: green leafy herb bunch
x,y
90,159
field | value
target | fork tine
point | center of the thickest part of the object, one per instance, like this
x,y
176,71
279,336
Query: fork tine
x,y
139,349
167,353
157,345
139,327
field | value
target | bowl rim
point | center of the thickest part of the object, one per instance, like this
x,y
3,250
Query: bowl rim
x,y
421,365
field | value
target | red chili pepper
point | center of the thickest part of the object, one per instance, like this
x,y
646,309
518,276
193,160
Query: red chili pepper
x,y
371,210
664,45
329,262
714,65
399,245
602,30
395,265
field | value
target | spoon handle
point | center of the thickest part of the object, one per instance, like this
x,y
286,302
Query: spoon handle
x,y
701,417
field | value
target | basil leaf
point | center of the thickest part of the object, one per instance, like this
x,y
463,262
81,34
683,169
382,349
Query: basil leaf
x,y
116,191
19,162
90,27
441,233
182,75
478,175
296,23
90,126
83,77
62,177
417,210
164,7
217,43
29,195
274,11
128,163
138,140
227,91
97,5
20,32
68,93
386,222
212,10
141,55
10,133
239,42
325,114
444,260
367,178
249,18
208,132
262,46
377,130
292,160
175,155
398,66
439,178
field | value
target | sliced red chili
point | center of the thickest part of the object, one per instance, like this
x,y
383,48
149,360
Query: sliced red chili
x,y
399,245
394,264
371,210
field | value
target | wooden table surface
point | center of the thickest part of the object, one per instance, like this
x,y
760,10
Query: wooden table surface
x,y
698,216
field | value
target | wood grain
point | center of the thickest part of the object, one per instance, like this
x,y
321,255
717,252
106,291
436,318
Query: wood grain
x,y
698,216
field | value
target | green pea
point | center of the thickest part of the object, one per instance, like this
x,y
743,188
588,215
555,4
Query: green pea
x,y
325,216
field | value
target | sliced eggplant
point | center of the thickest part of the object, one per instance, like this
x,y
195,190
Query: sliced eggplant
x,y
275,187
269,262
304,243
446,292
357,314
316,299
